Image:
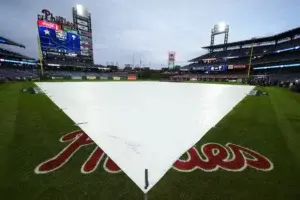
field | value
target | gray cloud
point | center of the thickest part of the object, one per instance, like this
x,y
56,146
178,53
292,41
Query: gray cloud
x,y
149,29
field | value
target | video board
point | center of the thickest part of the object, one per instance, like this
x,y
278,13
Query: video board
x,y
59,40
63,40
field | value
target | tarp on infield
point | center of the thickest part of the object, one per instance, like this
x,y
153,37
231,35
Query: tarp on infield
x,y
145,125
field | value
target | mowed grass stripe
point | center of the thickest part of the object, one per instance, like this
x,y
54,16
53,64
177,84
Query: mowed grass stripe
x,y
9,103
37,126
287,109
253,124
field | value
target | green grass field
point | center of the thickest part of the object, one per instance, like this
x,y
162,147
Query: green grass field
x,y
31,127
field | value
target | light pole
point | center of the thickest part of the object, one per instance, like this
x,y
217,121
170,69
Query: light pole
x,y
40,55
250,59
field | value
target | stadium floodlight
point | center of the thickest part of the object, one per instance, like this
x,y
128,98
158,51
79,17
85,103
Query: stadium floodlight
x,y
221,27
80,9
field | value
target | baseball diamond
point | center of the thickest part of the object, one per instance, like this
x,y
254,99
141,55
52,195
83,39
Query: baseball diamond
x,y
116,100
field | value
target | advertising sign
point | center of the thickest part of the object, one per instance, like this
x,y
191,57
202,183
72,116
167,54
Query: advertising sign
x,y
85,33
199,68
42,23
116,78
69,29
103,78
57,77
193,78
84,38
239,66
217,68
131,77
82,27
76,77
81,22
91,77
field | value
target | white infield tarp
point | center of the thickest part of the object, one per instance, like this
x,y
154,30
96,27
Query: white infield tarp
x,y
145,125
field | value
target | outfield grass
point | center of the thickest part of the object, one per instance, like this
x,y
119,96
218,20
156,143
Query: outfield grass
x,y
31,127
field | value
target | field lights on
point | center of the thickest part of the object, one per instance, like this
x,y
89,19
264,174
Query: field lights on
x,y
221,27
80,10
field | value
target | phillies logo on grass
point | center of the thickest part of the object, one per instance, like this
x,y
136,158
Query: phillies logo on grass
x,y
212,156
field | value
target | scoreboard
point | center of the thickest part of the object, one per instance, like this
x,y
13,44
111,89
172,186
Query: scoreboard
x,y
64,40
60,40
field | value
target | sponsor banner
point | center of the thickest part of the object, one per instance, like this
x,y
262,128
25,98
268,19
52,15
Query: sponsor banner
x,y
57,77
239,66
230,66
86,49
84,53
103,78
116,78
193,78
70,30
83,45
217,68
84,38
76,77
91,77
82,27
81,22
232,81
84,33
49,25
82,42
131,77
199,68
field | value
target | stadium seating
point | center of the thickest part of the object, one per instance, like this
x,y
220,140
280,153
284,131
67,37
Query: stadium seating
x,y
81,73
13,73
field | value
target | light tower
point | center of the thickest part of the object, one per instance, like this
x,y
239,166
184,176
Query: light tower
x,y
220,28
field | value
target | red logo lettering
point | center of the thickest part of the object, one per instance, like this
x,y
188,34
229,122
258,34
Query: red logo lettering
x,y
78,139
215,156
212,157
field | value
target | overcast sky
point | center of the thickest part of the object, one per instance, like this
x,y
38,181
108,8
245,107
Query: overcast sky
x,y
150,28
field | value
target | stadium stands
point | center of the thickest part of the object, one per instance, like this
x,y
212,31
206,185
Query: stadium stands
x,y
274,59
15,66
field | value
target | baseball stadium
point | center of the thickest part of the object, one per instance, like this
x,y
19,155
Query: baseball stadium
x,y
224,126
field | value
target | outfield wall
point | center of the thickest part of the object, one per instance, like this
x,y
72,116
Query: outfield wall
x,y
102,78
